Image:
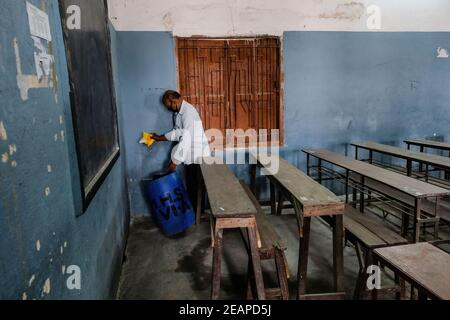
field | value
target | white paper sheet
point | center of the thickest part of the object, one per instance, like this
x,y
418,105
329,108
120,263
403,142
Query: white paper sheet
x,y
39,23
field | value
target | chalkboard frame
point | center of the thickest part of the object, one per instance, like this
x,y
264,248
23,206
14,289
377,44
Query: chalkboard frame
x,y
88,191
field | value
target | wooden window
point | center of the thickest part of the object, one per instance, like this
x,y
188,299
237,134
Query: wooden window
x,y
93,103
233,83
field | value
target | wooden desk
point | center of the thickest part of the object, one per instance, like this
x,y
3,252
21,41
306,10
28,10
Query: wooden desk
x,y
427,144
426,159
423,265
230,208
422,144
416,189
310,199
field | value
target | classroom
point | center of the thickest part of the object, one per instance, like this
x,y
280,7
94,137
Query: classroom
x,y
224,150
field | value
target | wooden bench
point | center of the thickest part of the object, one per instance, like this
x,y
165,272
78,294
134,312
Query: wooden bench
x,y
272,248
309,199
367,232
230,208
423,265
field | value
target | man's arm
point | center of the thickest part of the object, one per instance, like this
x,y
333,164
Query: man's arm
x,y
174,135
159,138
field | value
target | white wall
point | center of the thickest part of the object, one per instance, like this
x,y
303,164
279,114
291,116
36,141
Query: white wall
x,y
252,17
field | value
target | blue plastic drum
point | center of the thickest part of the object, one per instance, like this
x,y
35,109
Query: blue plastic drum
x,y
171,207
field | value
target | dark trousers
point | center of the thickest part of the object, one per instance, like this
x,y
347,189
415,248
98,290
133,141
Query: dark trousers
x,y
191,174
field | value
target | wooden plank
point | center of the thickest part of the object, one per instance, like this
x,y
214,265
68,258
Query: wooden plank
x,y
423,264
376,226
429,144
315,199
407,185
424,158
226,196
365,236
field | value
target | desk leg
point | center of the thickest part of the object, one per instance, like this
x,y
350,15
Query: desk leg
x,y
421,165
421,295
361,196
405,224
338,253
447,172
256,262
308,169
417,209
303,256
272,197
253,179
409,167
346,185
319,168
216,268
280,202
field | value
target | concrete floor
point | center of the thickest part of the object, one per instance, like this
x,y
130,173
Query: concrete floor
x,y
158,267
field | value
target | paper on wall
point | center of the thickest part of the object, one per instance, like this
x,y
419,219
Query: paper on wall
x,y
39,23
43,63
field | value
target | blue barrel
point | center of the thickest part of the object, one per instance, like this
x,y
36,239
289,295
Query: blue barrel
x,y
171,207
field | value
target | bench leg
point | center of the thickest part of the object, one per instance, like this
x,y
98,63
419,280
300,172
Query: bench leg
x,y
281,272
338,253
250,280
216,268
303,257
361,282
256,264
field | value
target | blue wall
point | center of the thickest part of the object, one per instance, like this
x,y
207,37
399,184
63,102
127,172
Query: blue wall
x,y
93,241
339,87
356,86
147,69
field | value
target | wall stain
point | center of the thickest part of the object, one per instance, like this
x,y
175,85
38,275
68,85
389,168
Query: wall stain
x,y
346,11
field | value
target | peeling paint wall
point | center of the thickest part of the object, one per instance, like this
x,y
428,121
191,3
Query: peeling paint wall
x,y
250,17
40,235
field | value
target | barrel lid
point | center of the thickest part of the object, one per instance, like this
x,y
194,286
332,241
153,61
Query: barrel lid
x,y
157,175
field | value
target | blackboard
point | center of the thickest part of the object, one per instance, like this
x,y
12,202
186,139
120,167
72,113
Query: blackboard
x,y
93,105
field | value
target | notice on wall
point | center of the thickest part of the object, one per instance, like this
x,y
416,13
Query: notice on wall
x,y
39,23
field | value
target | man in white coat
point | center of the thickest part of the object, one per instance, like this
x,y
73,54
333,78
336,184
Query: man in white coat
x,y
188,131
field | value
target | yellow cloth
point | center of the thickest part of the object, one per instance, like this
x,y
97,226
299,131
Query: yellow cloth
x,y
147,139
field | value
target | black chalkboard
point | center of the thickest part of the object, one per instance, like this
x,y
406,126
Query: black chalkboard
x,y
94,114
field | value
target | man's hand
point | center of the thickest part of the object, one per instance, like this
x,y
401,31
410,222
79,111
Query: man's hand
x,y
172,167
158,137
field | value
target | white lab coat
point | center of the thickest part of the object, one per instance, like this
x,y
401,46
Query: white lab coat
x,y
192,144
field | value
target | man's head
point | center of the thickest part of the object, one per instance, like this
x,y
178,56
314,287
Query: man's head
x,y
172,100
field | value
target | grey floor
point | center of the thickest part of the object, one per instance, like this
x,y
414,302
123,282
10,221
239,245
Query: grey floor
x,y
158,267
